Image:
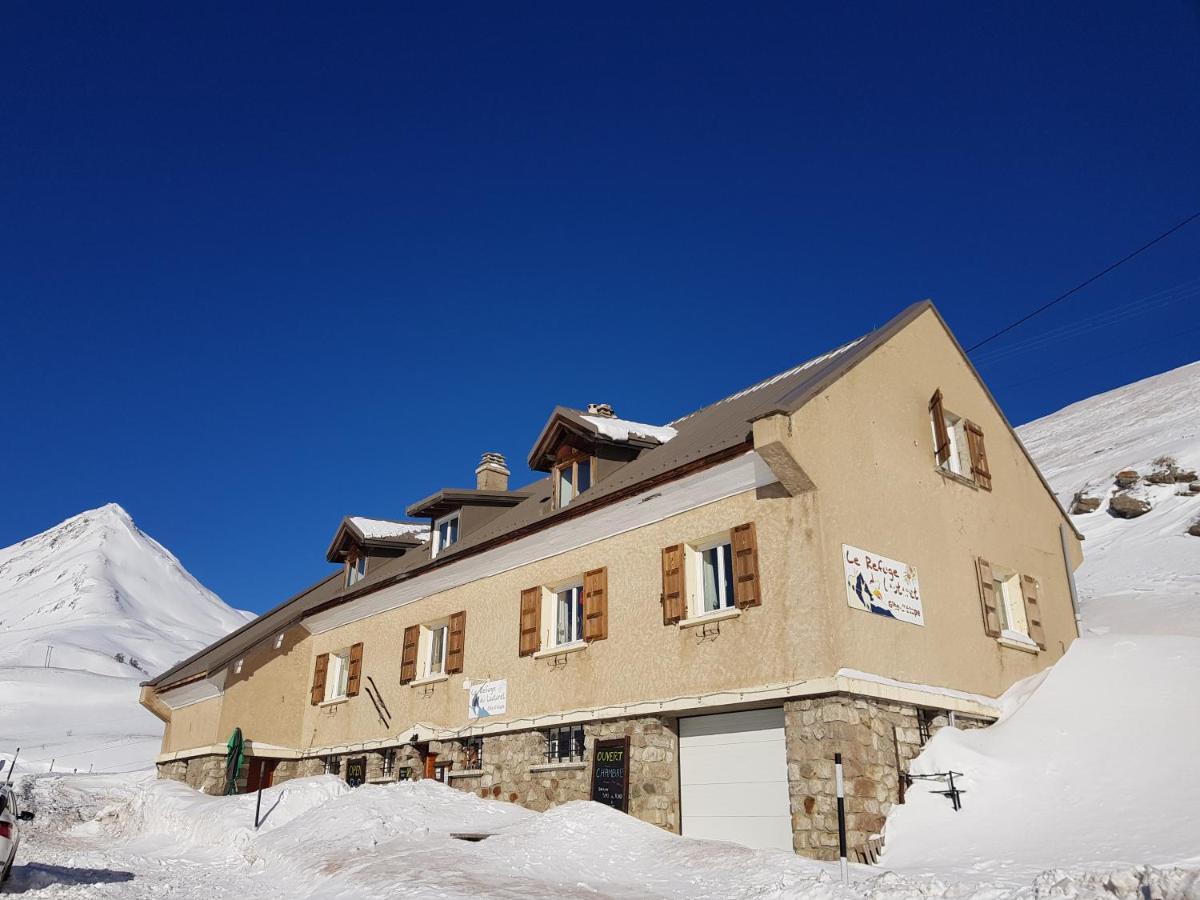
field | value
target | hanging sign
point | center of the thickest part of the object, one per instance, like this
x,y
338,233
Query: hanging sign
x,y
882,586
488,698
610,773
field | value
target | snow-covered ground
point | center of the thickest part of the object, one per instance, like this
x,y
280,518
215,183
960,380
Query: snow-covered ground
x,y
106,606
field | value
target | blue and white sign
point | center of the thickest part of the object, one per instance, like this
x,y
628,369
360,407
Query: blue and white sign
x,y
488,698
882,586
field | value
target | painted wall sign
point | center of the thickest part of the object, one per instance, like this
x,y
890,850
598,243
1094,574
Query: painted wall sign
x,y
882,586
488,698
610,773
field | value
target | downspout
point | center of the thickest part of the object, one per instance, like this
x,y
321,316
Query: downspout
x,y
1066,552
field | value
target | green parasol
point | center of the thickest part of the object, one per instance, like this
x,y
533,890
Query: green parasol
x,y
234,758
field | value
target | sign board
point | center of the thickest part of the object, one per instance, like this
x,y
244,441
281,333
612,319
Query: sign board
x,y
882,586
356,771
488,698
610,773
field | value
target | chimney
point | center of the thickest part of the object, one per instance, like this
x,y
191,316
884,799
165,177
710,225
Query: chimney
x,y
492,473
603,410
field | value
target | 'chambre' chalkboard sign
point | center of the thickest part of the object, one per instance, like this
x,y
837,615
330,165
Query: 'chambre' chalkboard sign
x,y
610,773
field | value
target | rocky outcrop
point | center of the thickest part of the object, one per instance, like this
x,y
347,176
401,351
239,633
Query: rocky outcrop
x,y
1081,503
1194,487
1126,506
1194,531
1126,478
1168,471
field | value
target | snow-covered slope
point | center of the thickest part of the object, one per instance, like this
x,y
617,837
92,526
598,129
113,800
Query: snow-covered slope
x,y
106,606
96,586
1140,574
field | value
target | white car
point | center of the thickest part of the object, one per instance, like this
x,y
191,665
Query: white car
x,y
10,819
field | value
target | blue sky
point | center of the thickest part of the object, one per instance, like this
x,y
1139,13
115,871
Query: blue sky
x,y
262,267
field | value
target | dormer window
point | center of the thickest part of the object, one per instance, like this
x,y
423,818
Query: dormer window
x,y
572,477
445,532
356,569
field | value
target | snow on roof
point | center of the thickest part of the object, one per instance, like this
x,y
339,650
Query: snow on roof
x,y
623,429
382,529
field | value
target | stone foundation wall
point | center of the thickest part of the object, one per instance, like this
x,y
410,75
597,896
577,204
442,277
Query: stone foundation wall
x,y
877,739
204,773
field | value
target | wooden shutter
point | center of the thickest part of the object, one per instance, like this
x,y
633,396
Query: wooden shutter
x,y
318,683
355,676
595,605
1033,610
457,643
674,585
979,463
941,437
987,597
530,638
747,587
408,653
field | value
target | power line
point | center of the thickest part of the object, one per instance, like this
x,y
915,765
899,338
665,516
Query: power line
x,y
1083,284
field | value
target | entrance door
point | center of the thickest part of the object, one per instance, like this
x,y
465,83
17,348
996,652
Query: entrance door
x,y
733,778
261,773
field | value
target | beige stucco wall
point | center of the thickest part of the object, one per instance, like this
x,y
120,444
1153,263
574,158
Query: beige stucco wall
x,y
867,445
195,725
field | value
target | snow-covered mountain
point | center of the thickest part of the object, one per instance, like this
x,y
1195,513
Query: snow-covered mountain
x,y
1140,574
98,590
115,607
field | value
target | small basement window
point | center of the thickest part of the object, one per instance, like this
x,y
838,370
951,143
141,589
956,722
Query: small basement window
x,y
445,533
564,743
572,478
356,570
388,763
333,765
473,752
568,615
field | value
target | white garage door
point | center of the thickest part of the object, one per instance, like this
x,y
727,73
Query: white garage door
x,y
733,778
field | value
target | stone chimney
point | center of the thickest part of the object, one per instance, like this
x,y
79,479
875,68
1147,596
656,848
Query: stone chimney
x,y
603,410
492,473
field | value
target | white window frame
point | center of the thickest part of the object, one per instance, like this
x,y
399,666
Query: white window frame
x,y
337,678
694,563
1010,605
237,666
428,640
438,546
279,640
570,468
356,570
550,615
959,460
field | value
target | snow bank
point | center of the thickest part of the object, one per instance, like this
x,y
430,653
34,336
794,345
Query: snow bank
x,y
1088,771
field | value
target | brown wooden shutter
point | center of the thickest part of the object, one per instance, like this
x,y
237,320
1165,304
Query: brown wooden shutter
x,y
987,597
595,605
530,638
457,643
979,463
674,590
320,670
355,677
747,587
1033,610
408,653
941,437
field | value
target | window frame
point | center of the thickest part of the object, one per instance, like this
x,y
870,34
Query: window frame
x,y
576,585
1010,605
956,434
429,635
572,463
356,569
338,675
473,753
576,746
437,546
694,567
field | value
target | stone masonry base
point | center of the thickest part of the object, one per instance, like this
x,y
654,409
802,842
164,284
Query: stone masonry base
x,y
877,740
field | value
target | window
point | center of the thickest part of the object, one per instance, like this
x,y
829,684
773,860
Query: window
x,y
435,659
339,675
388,763
237,667
572,478
356,570
279,640
564,743
473,752
439,772
954,455
445,533
333,765
714,581
404,774
568,614
1010,604
958,444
